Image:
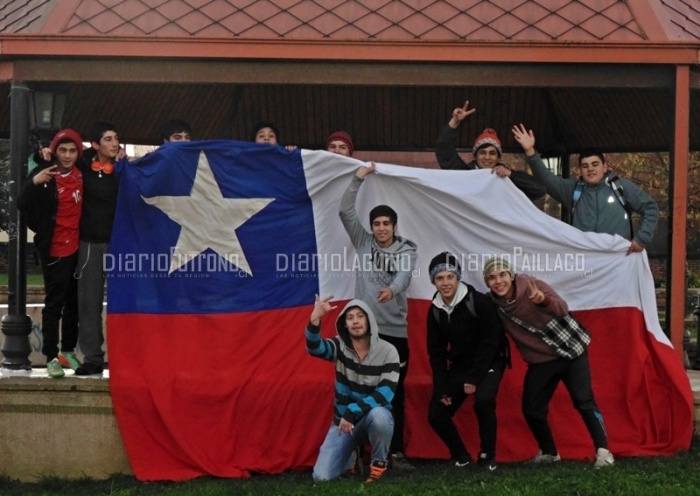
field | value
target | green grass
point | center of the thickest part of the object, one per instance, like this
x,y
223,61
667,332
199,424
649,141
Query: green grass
x,y
32,279
668,476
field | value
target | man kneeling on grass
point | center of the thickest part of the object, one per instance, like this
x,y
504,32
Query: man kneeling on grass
x,y
366,374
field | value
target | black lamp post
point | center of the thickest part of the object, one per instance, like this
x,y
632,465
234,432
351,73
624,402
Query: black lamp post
x,y
42,111
46,108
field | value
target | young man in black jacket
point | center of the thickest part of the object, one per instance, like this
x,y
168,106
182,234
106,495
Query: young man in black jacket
x,y
468,354
487,154
101,187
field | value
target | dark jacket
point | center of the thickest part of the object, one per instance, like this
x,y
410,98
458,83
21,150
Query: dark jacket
x,y
448,158
39,205
463,344
99,203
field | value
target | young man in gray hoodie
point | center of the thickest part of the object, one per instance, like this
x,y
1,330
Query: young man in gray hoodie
x,y
366,373
386,262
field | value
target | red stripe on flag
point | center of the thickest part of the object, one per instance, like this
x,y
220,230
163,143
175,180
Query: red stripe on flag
x,y
639,384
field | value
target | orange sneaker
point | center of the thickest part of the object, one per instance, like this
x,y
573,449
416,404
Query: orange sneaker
x,y
68,360
376,470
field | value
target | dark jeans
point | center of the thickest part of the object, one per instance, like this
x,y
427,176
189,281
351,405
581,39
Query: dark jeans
x,y
398,403
440,415
60,305
541,380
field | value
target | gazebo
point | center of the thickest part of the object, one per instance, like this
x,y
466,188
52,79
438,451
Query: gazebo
x,y
617,75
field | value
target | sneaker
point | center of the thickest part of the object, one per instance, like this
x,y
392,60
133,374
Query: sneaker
x,y
376,470
89,369
356,468
544,458
68,360
399,462
486,463
603,459
54,369
462,461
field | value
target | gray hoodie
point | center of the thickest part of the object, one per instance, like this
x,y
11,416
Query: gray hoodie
x,y
359,385
378,268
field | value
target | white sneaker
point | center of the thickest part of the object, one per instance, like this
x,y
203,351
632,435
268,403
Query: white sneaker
x,y
544,458
603,458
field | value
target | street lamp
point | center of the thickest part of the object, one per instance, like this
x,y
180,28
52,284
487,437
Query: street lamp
x,y
46,109
41,111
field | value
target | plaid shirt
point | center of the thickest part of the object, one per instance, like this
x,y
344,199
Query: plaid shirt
x,y
567,337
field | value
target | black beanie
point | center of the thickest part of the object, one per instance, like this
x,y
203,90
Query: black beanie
x,y
444,261
383,211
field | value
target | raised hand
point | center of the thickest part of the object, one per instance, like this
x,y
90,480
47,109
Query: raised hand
x,y
321,307
364,170
459,114
526,138
45,175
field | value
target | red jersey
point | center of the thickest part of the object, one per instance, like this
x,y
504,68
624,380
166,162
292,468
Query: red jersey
x,y
69,189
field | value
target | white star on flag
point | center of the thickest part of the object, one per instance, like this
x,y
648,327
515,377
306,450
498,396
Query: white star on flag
x,y
207,219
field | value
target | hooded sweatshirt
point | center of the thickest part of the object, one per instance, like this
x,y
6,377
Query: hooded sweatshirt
x,y
360,385
378,268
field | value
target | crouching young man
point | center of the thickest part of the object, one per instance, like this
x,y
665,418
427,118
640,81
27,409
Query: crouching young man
x,y
366,374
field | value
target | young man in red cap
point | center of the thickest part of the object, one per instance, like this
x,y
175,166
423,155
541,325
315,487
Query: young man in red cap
x,y
51,199
486,151
340,143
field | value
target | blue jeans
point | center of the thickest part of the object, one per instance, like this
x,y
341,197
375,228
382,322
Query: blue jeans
x,y
335,456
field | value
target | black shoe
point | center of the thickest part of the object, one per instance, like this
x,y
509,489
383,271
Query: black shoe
x,y
89,369
486,463
399,462
462,461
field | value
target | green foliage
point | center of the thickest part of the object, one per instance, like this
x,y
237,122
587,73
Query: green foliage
x,y
693,280
651,172
677,475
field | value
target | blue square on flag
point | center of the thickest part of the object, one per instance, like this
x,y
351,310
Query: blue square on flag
x,y
210,227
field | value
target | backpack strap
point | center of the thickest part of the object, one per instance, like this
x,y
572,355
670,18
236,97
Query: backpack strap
x,y
613,180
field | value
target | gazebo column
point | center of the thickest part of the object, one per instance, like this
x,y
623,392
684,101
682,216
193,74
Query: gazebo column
x,y
678,200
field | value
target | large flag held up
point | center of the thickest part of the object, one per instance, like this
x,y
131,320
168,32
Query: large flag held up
x,y
219,247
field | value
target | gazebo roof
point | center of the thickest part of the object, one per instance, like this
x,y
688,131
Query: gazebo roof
x,y
580,72
409,20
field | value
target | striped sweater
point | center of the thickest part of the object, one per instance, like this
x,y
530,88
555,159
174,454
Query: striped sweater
x,y
359,385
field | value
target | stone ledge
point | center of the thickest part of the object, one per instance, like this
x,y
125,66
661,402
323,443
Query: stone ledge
x,y
64,427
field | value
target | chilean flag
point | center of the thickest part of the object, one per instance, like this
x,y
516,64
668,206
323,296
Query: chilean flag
x,y
219,248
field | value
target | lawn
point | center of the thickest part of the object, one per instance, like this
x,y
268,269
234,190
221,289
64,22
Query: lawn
x,y
32,279
668,476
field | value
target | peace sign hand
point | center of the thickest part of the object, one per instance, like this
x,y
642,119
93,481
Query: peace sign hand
x,y
459,114
536,295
